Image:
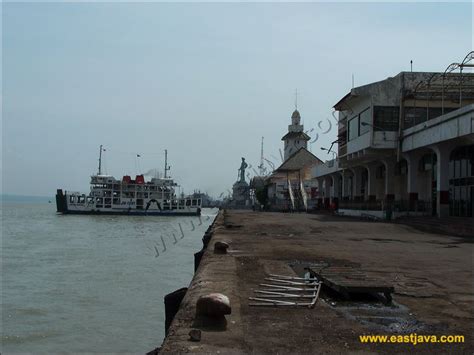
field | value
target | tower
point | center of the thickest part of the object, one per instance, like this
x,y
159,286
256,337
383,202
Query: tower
x,y
295,139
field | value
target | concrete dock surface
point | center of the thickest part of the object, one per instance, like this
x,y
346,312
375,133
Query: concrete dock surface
x,y
432,276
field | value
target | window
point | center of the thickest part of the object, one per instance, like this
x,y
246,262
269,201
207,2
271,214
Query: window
x,y
416,115
342,137
461,182
386,118
401,168
364,117
355,127
427,162
353,131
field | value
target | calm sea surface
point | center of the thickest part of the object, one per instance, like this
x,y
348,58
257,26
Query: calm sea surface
x,y
91,283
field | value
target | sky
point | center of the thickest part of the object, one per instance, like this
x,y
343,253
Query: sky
x,y
203,80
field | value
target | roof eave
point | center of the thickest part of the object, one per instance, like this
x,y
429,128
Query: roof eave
x,y
339,104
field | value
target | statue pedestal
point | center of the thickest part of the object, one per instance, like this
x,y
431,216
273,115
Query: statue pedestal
x,y
241,194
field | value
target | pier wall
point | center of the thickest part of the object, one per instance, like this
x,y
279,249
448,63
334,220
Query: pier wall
x,y
264,243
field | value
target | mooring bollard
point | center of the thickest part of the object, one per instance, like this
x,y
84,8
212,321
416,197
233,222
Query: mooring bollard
x,y
220,247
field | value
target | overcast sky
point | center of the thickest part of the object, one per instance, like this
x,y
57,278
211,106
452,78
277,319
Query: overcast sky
x,y
205,81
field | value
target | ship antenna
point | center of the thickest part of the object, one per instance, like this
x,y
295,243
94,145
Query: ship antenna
x,y
100,159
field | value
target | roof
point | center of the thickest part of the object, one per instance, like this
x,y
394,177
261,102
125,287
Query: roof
x,y
295,114
300,159
338,104
387,90
293,135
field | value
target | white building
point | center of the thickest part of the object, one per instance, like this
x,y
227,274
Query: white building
x,y
405,146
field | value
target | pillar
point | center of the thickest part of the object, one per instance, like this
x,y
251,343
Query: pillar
x,y
357,183
371,181
389,180
336,191
346,193
413,159
320,192
443,151
327,190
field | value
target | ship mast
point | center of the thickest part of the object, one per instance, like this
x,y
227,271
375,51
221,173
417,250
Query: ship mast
x,y
100,160
166,163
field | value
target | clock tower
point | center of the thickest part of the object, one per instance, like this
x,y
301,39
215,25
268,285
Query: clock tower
x,y
295,139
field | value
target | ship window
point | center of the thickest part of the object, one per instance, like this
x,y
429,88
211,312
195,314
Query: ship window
x,y
72,199
90,200
81,199
188,202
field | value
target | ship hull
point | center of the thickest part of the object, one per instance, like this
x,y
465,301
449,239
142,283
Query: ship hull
x,y
134,213
64,206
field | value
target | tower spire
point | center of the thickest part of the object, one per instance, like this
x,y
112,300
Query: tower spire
x,y
296,99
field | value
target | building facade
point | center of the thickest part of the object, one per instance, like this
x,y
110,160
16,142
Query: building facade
x,y
405,146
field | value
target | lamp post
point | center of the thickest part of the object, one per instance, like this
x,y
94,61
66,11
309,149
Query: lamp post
x,y
330,151
376,127
331,162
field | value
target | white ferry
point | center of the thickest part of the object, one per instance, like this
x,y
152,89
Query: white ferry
x,y
128,197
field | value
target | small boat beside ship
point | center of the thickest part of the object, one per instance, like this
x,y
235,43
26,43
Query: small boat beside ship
x,y
127,196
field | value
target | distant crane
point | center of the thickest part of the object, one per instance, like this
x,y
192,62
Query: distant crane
x,y
262,169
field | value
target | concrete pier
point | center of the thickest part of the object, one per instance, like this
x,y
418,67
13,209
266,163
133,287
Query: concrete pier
x,y
432,275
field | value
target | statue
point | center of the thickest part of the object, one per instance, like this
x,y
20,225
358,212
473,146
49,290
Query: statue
x,y
242,168
240,189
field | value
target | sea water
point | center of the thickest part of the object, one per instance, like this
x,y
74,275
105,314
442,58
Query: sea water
x,y
91,283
